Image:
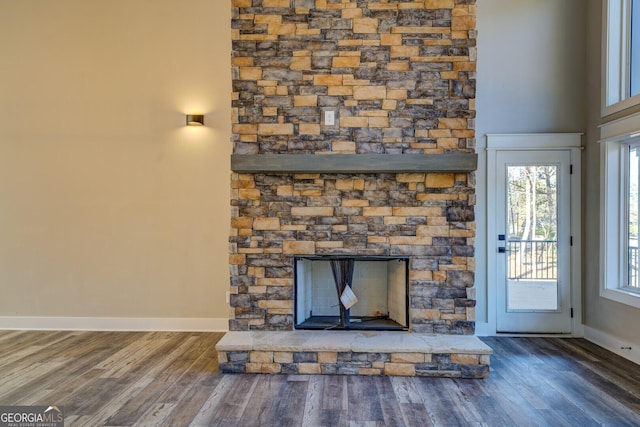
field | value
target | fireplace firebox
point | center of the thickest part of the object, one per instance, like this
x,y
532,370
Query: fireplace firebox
x,y
351,293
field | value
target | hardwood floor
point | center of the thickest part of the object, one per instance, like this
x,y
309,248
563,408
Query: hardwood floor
x,y
161,378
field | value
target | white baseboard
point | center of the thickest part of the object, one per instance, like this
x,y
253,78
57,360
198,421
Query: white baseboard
x,y
484,330
628,350
489,330
177,324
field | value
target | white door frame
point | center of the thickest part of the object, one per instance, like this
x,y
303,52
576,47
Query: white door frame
x,y
531,142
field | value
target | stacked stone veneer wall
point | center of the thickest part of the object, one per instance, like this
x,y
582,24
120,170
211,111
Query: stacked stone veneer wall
x,y
400,76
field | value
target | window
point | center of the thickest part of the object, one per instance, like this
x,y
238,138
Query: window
x,y
620,211
620,155
635,48
631,278
622,55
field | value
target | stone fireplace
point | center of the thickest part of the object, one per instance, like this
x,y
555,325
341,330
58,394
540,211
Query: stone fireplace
x,y
324,215
391,177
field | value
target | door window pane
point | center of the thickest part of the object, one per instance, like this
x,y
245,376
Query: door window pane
x,y
532,244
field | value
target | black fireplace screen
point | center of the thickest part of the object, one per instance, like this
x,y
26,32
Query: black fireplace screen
x,y
343,277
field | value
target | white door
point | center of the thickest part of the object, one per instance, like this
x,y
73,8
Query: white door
x,y
533,241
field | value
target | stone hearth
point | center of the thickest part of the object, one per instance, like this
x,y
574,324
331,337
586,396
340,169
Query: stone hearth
x,y
354,353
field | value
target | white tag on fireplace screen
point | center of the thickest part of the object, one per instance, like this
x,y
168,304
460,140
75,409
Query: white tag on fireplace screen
x,y
348,298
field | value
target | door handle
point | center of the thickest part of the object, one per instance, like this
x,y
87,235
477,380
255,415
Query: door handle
x,y
502,250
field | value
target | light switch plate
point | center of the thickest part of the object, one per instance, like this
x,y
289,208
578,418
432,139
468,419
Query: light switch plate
x,y
329,118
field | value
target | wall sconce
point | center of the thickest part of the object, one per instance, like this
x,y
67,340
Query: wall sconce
x,y
195,120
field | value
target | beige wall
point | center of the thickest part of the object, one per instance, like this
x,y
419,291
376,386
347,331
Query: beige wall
x,y
109,205
531,79
531,58
545,77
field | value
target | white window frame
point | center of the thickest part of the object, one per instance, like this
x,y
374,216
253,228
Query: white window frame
x,y
616,137
616,60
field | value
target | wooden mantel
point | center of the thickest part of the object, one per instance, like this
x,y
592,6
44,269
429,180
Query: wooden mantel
x,y
353,163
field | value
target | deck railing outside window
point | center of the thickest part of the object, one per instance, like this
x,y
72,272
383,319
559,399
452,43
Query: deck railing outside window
x,y
633,267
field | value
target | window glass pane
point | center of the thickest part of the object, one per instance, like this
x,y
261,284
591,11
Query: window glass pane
x,y
615,85
635,48
632,214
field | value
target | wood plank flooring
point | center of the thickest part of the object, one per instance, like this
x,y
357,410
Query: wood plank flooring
x,y
171,379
